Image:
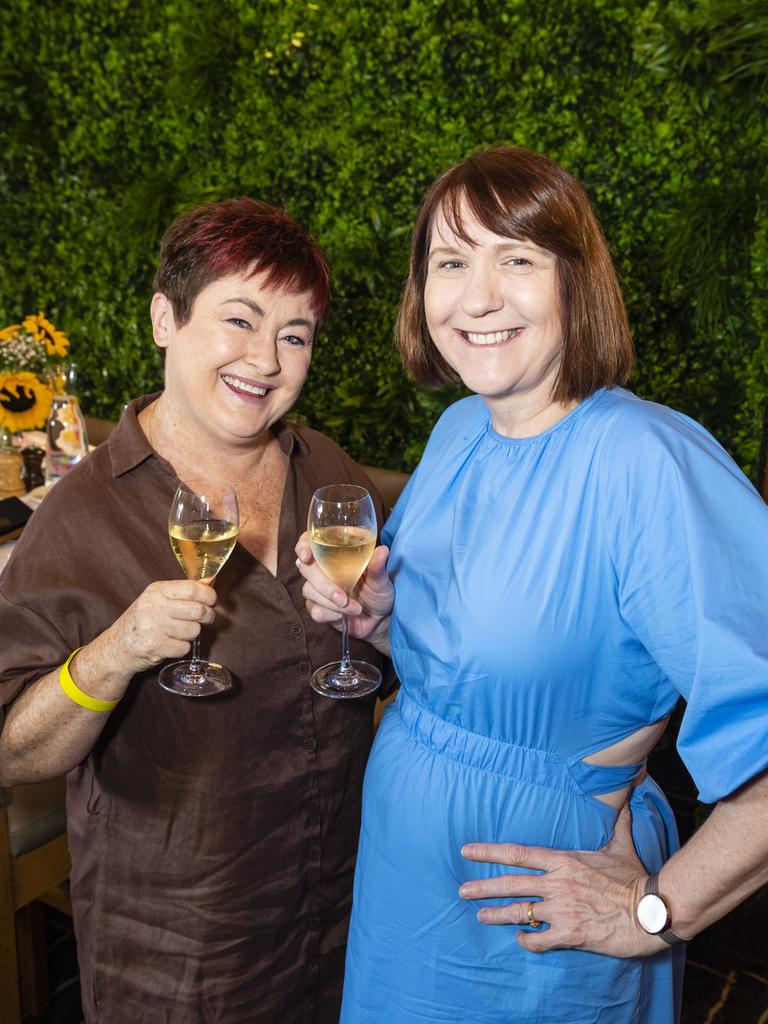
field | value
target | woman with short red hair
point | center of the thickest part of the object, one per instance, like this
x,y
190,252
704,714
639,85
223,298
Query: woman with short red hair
x,y
567,561
213,840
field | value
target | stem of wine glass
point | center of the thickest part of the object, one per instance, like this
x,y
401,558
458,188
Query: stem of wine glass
x,y
345,665
194,661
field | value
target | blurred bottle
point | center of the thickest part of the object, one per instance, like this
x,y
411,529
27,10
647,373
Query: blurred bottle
x,y
67,435
11,467
34,470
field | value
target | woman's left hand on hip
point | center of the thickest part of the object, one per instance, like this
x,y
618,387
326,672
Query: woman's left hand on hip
x,y
586,898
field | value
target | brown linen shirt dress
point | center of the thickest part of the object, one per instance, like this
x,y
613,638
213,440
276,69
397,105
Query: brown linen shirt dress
x,y
213,840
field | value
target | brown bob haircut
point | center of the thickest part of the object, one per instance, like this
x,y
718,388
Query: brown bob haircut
x,y
519,194
238,236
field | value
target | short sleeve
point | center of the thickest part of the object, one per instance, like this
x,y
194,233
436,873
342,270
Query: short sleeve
x,y
31,646
688,536
393,522
58,589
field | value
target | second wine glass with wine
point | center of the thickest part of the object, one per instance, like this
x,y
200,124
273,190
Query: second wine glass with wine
x,y
202,525
342,534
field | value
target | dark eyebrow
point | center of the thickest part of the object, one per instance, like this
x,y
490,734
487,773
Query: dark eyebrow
x,y
513,244
447,250
443,249
258,311
253,306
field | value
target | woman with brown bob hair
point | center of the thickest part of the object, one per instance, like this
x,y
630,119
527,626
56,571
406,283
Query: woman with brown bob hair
x,y
532,198
566,562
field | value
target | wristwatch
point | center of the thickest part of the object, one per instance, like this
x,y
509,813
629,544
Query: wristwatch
x,y
652,913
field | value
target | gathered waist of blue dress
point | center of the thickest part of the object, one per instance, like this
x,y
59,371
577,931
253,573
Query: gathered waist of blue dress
x,y
531,764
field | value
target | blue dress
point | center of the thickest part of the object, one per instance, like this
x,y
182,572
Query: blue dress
x,y
554,594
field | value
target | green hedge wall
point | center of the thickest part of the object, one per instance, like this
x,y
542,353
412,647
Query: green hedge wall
x,y
116,114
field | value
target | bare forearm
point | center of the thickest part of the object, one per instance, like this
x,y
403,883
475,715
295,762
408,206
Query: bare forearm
x,y
722,864
45,732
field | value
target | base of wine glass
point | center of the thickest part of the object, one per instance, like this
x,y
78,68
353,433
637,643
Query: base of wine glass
x,y
357,681
207,679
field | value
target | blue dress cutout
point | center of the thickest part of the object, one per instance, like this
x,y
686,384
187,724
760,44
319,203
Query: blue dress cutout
x,y
554,594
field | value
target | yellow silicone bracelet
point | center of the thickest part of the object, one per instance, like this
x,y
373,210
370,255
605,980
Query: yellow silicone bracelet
x,y
73,691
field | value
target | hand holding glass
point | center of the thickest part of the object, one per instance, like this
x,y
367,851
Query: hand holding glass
x,y
342,534
203,526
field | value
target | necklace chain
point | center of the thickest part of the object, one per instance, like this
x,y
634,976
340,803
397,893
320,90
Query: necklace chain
x,y
263,466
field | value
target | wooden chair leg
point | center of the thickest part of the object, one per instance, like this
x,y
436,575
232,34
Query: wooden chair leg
x,y
33,968
59,899
10,1005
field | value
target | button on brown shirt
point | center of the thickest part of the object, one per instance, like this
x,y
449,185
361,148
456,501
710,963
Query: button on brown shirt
x,y
213,840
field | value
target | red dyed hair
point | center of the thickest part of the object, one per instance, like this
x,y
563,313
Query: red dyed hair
x,y
520,194
239,236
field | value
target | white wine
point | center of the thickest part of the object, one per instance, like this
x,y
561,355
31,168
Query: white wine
x,y
342,552
341,524
202,547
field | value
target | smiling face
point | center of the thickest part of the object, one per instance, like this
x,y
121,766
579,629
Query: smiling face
x,y
491,306
240,361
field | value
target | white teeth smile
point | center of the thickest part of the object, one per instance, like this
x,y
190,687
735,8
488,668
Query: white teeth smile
x,y
240,385
496,338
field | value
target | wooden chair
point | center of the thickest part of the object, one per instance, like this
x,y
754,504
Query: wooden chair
x,y
388,482
98,430
34,861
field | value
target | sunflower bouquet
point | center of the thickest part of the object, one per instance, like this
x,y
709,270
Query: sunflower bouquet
x,y
31,362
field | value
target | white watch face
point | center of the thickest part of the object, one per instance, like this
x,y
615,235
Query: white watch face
x,y
652,914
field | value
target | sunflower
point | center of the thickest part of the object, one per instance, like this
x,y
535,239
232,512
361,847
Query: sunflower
x,y
56,342
8,332
25,401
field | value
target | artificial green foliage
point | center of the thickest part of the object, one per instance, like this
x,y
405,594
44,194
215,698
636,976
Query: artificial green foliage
x,y
116,114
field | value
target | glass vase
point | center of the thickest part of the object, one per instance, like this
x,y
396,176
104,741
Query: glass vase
x,y
67,436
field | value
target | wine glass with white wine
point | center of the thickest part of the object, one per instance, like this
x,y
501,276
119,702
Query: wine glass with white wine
x,y
203,525
342,534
